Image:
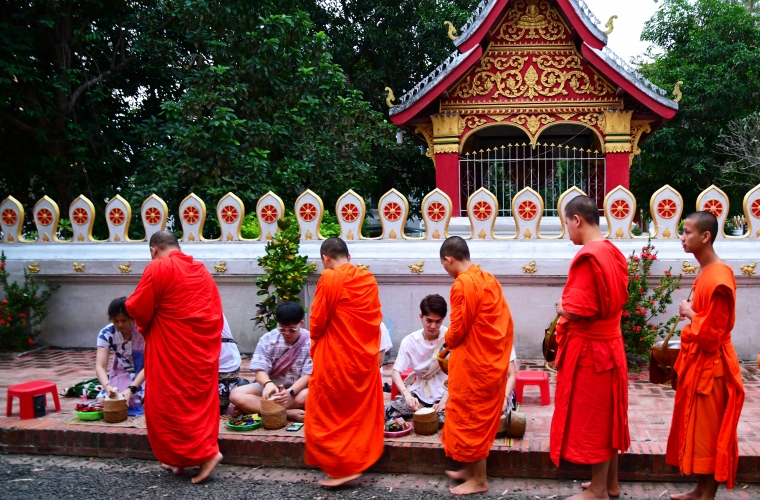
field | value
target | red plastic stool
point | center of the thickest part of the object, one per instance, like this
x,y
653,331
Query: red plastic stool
x,y
527,377
25,394
394,389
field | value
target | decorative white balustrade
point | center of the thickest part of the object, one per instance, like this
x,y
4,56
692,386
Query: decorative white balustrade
x,y
666,207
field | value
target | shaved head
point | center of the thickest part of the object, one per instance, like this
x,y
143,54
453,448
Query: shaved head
x,y
585,208
335,248
162,240
456,248
705,221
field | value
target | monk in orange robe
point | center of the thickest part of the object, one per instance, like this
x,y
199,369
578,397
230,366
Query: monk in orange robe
x,y
710,393
480,338
178,310
590,421
344,425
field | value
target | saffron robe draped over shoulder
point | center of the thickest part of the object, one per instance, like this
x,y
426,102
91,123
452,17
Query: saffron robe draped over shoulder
x,y
480,338
710,392
344,423
178,310
590,421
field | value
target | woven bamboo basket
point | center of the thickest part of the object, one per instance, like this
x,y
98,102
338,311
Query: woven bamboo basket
x,y
273,415
503,424
425,421
517,423
115,409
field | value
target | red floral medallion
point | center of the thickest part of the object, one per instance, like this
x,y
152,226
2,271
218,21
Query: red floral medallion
x,y
229,214
482,210
755,208
116,216
80,216
349,212
715,207
436,211
269,213
9,216
527,210
620,209
392,211
667,208
308,212
191,215
153,216
45,216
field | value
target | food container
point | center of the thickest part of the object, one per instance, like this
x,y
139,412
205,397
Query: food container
x,y
407,430
90,415
425,421
255,423
512,424
115,409
273,415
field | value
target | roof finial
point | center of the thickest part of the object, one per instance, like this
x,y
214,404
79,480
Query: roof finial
x,y
389,100
609,25
677,91
452,30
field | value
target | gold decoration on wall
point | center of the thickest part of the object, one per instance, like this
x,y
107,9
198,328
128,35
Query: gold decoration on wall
x,y
566,116
619,234
452,30
610,27
230,237
533,122
269,236
362,266
427,132
389,100
474,122
666,233
221,267
530,268
638,128
126,268
45,238
350,235
534,20
116,238
677,91
688,268
78,268
447,127
33,268
436,235
749,270
482,234
617,131
417,268
498,118
191,237
308,234
527,234
80,238
392,235
591,119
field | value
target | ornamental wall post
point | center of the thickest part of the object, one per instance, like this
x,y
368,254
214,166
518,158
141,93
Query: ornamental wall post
x,y
616,126
447,127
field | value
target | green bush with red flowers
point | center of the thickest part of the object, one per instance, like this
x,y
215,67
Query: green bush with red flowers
x,y
640,331
22,309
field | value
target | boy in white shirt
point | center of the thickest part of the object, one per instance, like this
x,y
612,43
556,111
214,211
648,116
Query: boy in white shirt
x,y
419,351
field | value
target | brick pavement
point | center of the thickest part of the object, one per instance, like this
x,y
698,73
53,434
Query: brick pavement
x,y
650,409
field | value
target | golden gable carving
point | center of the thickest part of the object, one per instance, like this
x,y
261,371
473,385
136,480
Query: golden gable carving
x,y
532,20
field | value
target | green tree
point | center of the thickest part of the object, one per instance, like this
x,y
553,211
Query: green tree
x,y
714,48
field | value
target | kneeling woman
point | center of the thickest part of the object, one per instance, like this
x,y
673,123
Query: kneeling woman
x,y
127,344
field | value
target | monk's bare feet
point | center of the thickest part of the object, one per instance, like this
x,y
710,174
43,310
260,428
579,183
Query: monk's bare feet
x,y
612,492
463,474
207,468
470,487
296,415
694,494
589,495
332,482
178,471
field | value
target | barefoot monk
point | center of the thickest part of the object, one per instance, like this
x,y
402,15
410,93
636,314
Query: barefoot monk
x,y
177,307
344,424
590,421
480,338
710,393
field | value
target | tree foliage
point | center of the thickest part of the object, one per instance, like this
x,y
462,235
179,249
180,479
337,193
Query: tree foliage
x,y
714,48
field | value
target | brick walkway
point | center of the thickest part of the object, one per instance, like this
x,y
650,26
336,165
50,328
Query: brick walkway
x,y
650,409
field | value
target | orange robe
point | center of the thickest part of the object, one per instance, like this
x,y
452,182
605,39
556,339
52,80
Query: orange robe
x,y
590,421
710,393
344,422
480,337
178,310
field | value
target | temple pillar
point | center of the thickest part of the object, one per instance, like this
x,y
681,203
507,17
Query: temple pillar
x,y
447,127
617,147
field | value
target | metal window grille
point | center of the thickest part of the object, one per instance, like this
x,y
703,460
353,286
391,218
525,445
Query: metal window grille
x,y
548,169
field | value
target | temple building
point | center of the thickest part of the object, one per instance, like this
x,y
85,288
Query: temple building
x,y
532,97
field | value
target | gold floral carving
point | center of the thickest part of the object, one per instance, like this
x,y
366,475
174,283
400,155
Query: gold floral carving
x,y
498,118
533,122
308,234
617,122
617,147
34,268
427,132
482,234
447,125
436,235
392,235
566,116
638,128
350,235
191,237
591,119
534,20
474,122
666,234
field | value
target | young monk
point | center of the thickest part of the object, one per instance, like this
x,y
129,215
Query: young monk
x,y
344,423
480,337
590,422
177,307
710,393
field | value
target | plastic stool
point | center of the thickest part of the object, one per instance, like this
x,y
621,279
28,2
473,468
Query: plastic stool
x,y
25,394
527,377
394,389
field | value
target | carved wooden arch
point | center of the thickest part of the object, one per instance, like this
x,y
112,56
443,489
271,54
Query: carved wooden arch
x,y
466,135
533,140
573,122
